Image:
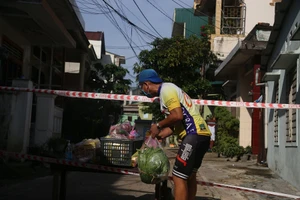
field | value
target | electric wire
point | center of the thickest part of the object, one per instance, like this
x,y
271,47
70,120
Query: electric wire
x,y
146,18
170,17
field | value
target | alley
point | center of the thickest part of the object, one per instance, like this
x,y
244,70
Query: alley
x,y
82,185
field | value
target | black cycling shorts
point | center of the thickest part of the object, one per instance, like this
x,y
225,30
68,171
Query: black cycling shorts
x,y
190,155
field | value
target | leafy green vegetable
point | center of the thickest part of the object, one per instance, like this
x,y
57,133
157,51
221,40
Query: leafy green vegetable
x,y
153,164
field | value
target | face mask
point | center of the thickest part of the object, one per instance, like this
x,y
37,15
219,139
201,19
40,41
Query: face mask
x,y
147,94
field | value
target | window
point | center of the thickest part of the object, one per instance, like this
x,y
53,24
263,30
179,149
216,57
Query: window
x,y
37,53
233,18
276,142
291,99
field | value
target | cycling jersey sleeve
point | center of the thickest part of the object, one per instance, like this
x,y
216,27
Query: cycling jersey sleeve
x,y
170,98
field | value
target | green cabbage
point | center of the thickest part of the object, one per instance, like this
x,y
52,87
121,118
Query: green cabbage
x,y
153,165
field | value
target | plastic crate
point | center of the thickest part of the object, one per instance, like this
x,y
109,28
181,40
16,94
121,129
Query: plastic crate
x,y
118,152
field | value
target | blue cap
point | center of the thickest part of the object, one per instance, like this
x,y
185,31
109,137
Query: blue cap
x,y
149,75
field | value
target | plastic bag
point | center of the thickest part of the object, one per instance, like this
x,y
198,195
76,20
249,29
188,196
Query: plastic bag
x,y
123,131
126,126
86,150
120,131
133,134
153,163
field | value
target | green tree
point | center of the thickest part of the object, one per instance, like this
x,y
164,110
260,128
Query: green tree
x,y
109,79
226,122
227,134
180,61
89,118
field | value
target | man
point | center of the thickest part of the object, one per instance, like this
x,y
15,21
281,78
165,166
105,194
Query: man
x,y
211,122
182,118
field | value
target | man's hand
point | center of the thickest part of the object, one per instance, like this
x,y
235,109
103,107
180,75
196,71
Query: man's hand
x,y
154,130
165,132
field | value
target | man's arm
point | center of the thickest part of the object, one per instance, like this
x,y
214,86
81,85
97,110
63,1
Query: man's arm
x,y
165,132
173,118
170,98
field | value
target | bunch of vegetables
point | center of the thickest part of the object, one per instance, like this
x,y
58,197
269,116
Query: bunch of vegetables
x,y
153,164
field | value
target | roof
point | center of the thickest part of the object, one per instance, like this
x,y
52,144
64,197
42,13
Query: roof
x,y
280,13
94,35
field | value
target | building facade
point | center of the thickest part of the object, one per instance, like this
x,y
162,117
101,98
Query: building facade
x,y
36,40
234,21
281,79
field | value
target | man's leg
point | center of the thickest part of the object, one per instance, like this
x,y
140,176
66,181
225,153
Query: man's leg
x,y
192,186
184,166
202,147
180,188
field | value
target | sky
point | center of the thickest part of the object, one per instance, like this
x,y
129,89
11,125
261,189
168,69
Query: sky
x,y
96,15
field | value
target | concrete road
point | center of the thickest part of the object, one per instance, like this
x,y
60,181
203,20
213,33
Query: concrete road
x,y
82,186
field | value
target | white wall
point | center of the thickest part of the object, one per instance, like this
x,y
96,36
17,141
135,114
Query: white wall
x,y
19,128
223,45
258,11
97,46
245,114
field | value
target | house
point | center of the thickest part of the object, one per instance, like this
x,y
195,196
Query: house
x,y
112,58
233,20
237,22
72,69
96,39
186,24
281,80
37,38
245,59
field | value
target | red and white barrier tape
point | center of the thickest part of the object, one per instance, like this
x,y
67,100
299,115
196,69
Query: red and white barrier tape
x,y
133,172
263,192
67,162
122,97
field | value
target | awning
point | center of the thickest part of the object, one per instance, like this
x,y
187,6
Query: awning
x,y
271,76
237,57
286,60
296,34
37,22
229,83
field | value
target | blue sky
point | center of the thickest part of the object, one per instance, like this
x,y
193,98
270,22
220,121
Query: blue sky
x,y
114,40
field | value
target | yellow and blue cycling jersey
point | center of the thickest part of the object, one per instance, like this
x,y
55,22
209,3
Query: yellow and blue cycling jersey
x,y
172,97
